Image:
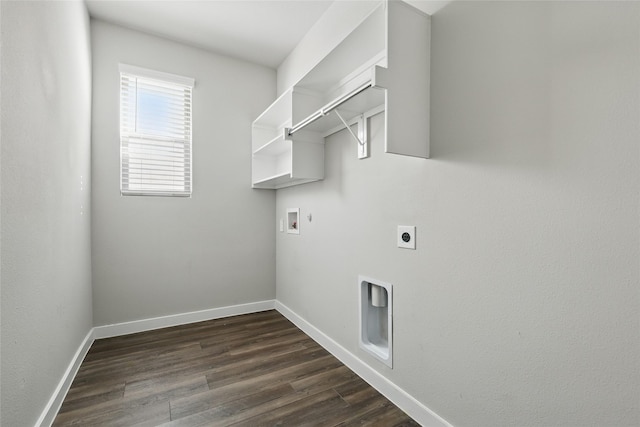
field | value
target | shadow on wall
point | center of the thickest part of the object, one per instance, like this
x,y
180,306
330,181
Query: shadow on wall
x,y
491,83
525,84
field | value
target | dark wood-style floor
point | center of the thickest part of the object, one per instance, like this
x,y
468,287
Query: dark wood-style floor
x,y
251,370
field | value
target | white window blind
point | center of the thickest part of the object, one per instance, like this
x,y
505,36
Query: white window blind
x,y
155,133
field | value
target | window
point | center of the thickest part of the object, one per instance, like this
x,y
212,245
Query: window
x,y
155,133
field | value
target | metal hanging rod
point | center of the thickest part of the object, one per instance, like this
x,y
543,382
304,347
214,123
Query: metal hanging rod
x,y
329,107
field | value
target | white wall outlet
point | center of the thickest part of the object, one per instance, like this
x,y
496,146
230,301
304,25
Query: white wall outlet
x,y
407,236
281,225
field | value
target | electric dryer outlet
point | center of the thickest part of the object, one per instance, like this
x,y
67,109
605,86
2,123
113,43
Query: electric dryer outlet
x,y
407,236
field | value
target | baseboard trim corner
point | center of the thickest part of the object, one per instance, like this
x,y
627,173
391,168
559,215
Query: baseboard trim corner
x,y
403,400
143,325
55,402
395,394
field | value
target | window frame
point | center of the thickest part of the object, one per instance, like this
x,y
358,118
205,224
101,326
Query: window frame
x,y
153,77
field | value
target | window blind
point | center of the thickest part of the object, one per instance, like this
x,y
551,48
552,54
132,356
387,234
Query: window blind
x,y
155,133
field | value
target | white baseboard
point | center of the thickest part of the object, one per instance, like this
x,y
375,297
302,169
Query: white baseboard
x,y
399,397
135,326
53,406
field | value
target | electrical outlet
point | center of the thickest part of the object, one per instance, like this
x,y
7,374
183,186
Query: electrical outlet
x,y
407,236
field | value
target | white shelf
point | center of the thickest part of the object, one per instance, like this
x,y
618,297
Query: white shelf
x,y
275,147
271,180
363,48
280,181
278,160
388,51
277,114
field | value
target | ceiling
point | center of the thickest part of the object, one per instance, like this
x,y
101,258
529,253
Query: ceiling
x,y
259,31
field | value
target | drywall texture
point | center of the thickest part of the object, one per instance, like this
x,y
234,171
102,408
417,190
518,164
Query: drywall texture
x,y
155,256
46,266
520,305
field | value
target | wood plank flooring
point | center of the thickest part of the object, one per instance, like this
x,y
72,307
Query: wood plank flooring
x,y
251,370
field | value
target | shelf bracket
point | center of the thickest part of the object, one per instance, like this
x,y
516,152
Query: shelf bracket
x,y
363,143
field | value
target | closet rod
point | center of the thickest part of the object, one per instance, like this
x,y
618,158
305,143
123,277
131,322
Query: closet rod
x,y
329,107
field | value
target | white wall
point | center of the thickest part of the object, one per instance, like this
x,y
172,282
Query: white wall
x,y
520,305
155,256
46,265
